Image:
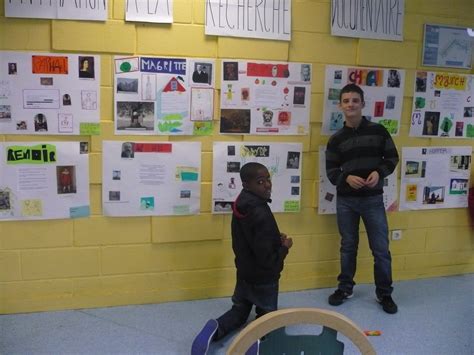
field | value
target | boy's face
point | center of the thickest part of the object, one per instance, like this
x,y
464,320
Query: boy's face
x,y
351,105
261,185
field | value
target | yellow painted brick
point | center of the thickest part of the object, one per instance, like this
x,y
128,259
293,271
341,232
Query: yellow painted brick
x,y
459,9
206,166
109,36
313,248
10,266
187,228
198,12
95,168
106,104
59,263
96,199
318,77
317,108
310,270
435,272
182,11
106,72
36,234
390,53
410,75
431,260
307,221
118,10
446,239
197,43
33,296
310,166
166,257
307,194
25,34
102,230
455,217
258,49
317,139
304,19
412,242
322,48
305,140
206,197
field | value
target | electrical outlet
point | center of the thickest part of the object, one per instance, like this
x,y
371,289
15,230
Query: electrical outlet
x,y
396,234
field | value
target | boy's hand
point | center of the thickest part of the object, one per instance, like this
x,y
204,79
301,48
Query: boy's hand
x,y
283,236
287,242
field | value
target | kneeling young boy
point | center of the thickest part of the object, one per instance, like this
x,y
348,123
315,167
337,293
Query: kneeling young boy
x,y
259,249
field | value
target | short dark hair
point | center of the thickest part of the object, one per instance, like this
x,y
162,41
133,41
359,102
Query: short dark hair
x,y
249,171
352,88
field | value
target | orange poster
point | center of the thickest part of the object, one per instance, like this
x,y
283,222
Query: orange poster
x,y
43,64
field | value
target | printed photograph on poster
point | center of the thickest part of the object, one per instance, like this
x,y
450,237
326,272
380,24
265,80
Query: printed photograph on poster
x,y
435,177
165,177
235,121
174,95
442,105
43,180
383,96
49,92
275,97
283,161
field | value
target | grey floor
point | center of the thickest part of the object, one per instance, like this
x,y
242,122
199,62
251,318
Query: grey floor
x,y
435,317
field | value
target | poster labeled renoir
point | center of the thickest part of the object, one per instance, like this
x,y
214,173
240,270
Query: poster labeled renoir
x,y
383,95
283,161
45,93
44,180
435,177
443,105
151,178
328,193
163,96
271,98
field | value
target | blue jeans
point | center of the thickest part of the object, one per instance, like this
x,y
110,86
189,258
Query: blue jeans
x,y
372,211
264,297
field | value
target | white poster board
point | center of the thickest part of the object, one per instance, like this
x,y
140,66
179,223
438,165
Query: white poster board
x,y
155,11
254,19
151,178
447,46
95,10
283,161
435,177
443,105
383,95
375,19
163,96
47,93
44,180
265,98
328,193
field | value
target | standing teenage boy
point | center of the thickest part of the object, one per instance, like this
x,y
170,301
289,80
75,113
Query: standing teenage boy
x,y
358,157
259,249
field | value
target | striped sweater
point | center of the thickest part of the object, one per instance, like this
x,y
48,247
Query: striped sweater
x,y
359,151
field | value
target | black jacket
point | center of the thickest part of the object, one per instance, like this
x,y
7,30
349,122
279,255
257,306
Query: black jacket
x,y
256,241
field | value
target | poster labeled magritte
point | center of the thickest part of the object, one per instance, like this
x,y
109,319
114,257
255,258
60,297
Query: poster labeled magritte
x,y
46,93
163,96
435,177
328,193
44,180
443,105
283,161
383,95
151,178
265,98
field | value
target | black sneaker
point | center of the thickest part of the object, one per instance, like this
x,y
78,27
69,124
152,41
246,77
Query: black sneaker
x,y
388,304
338,297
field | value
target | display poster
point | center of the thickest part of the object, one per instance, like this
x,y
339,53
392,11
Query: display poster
x,y
283,161
150,178
92,10
45,93
443,105
383,95
254,19
447,46
163,96
156,11
44,180
435,177
328,193
265,98
374,19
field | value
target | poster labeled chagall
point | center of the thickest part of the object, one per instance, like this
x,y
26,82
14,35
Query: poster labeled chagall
x,y
443,105
265,98
283,161
163,96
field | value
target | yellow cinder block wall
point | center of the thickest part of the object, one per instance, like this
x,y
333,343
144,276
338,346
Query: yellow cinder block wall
x,y
99,261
